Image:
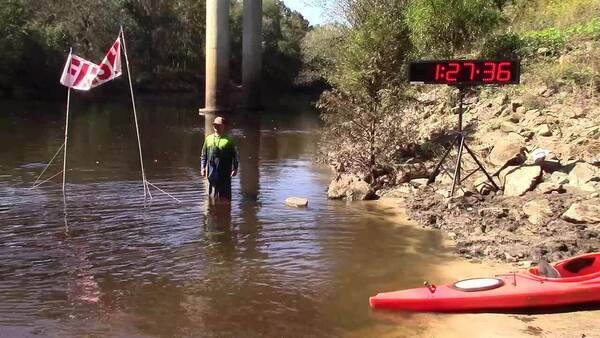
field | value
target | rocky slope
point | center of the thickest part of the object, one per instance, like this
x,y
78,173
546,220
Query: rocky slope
x,y
545,157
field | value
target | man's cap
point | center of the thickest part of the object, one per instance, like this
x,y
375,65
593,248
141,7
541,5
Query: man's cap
x,y
219,120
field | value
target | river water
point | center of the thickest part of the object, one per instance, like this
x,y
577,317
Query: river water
x,y
104,263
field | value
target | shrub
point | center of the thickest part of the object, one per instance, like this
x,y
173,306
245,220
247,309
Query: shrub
x,y
502,46
447,27
548,42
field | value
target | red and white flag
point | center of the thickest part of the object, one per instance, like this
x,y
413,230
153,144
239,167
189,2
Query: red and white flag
x,y
110,67
82,74
79,73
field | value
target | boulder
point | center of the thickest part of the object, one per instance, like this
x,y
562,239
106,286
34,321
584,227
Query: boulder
x,y
591,186
516,104
419,182
509,127
532,114
297,202
522,180
583,212
507,152
527,134
483,186
559,177
543,130
582,173
350,187
537,210
550,187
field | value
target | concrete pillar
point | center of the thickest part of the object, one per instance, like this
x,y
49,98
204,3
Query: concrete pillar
x,y
217,57
252,54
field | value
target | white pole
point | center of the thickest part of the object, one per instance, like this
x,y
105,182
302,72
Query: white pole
x,y
137,129
66,135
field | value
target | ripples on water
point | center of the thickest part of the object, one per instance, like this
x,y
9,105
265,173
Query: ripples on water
x,y
103,264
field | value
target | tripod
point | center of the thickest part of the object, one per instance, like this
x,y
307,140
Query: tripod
x,y
460,142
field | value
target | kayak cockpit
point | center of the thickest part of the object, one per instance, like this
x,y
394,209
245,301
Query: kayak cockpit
x,y
576,269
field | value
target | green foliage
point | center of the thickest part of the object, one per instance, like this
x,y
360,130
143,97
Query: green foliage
x,y
283,31
375,49
165,41
534,15
12,38
579,69
444,28
550,41
320,48
500,46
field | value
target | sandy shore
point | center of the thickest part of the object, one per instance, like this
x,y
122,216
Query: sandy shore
x,y
582,322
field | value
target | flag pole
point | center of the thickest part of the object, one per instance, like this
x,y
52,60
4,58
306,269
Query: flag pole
x,y
66,135
137,129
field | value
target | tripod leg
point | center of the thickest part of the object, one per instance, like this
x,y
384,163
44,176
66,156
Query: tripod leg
x,y
441,162
457,169
481,167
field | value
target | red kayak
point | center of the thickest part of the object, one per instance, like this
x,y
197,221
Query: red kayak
x,y
579,283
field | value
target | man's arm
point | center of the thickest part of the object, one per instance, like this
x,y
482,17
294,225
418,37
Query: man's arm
x,y
204,157
235,160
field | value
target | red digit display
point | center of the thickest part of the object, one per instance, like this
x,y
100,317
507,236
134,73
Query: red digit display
x,y
452,74
471,66
465,72
503,72
489,71
438,71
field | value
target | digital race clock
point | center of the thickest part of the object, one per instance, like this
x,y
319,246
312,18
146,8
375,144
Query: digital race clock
x,y
465,72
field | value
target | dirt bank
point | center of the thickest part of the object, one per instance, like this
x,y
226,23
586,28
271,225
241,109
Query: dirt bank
x,y
511,229
580,322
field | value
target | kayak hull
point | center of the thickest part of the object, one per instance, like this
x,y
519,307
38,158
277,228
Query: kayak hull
x,y
515,291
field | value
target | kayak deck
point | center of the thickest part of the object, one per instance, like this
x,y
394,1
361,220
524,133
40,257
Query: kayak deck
x,y
579,283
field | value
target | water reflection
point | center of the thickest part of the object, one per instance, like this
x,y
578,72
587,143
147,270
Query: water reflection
x,y
249,148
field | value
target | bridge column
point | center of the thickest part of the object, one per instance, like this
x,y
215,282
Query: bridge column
x,y
252,54
217,58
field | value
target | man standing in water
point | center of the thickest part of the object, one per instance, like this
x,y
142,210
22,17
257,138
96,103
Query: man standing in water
x,y
219,160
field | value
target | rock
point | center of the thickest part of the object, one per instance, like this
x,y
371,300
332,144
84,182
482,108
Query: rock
x,y
514,118
549,187
543,130
532,114
297,202
543,50
582,173
516,104
527,134
559,177
590,187
508,127
483,186
419,182
522,180
537,210
575,113
507,152
350,187
493,212
595,195
583,212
